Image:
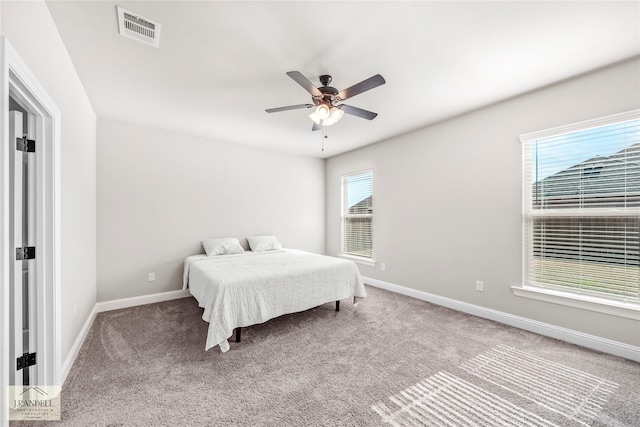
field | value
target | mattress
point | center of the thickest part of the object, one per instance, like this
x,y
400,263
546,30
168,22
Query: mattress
x,y
250,288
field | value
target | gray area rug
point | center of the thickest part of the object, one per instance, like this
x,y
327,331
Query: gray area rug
x,y
392,360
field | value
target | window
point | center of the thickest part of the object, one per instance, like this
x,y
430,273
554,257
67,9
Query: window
x,y
582,209
357,214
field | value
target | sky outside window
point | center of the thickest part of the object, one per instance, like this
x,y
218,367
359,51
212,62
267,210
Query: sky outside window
x,y
359,187
558,153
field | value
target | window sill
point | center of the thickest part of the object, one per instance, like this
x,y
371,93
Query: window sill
x,y
359,260
630,310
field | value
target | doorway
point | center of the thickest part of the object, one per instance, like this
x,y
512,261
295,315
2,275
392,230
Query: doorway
x,y
22,268
29,229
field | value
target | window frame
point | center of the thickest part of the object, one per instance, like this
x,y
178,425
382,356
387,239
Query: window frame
x,y
599,303
344,215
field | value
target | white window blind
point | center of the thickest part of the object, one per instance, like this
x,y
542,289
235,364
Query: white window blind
x,y
582,208
357,214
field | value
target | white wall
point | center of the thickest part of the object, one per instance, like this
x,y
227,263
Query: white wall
x,y
447,199
161,193
30,29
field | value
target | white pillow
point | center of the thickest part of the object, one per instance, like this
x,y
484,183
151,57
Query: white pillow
x,y
263,243
224,246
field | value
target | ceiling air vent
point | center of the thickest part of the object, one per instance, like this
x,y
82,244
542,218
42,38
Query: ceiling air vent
x,y
138,27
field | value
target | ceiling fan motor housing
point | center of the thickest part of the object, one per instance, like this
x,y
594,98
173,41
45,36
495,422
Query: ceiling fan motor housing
x,y
328,93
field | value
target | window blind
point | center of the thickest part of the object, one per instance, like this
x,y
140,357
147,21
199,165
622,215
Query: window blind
x,y
582,208
357,214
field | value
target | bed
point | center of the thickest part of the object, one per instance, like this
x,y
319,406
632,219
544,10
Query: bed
x,y
244,289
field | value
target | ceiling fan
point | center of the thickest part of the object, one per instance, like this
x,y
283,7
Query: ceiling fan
x,y
326,99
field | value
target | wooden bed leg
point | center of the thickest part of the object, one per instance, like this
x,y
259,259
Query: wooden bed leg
x,y
337,305
238,334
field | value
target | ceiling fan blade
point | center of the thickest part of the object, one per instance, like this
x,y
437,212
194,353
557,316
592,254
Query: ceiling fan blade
x,y
290,107
355,111
304,82
363,86
315,127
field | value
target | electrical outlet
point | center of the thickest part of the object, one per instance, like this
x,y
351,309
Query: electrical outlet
x,y
479,286
152,277
383,266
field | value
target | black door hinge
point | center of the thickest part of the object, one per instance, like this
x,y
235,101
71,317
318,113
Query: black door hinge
x,y
28,252
26,360
26,145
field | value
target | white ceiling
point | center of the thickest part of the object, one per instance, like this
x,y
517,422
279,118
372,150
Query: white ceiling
x,y
220,64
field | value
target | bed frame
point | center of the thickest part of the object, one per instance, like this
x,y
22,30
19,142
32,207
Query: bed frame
x,y
238,331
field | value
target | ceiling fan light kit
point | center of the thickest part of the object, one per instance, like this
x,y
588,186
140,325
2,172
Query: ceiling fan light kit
x,y
323,111
326,99
325,116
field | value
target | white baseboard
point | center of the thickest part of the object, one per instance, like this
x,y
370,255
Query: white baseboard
x,y
590,341
75,349
114,305
141,300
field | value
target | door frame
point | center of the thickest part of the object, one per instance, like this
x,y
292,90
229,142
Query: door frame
x,y
17,81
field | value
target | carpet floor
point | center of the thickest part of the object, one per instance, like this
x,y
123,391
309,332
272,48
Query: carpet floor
x,y
392,360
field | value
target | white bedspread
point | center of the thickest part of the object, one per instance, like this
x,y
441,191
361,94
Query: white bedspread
x,y
250,288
